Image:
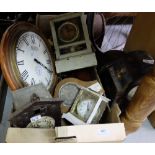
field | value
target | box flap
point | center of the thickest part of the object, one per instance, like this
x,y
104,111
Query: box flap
x,y
93,133
114,132
30,135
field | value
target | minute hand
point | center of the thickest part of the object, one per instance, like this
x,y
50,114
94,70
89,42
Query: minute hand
x,y
42,65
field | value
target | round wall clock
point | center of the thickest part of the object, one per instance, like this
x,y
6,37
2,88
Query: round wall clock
x,y
26,57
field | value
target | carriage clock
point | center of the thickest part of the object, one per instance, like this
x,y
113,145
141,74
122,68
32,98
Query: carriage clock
x,y
71,42
26,57
87,108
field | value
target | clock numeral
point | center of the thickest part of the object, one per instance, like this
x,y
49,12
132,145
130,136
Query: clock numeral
x,y
20,62
25,40
25,75
33,39
48,62
20,49
32,81
45,51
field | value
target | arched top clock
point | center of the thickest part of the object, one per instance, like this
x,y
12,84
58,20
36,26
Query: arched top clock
x,y
26,57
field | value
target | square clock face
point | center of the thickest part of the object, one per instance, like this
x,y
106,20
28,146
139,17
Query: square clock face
x,y
84,105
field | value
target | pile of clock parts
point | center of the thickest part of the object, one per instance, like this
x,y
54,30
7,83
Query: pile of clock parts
x,y
51,70
43,96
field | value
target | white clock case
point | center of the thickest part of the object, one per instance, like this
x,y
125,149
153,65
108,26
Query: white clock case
x,y
77,60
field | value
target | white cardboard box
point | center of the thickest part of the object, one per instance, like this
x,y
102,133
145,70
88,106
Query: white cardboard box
x,y
113,132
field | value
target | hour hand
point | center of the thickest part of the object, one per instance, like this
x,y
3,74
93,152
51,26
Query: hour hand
x,y
38,62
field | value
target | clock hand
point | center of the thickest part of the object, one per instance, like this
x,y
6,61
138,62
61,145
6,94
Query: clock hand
x,y
37,61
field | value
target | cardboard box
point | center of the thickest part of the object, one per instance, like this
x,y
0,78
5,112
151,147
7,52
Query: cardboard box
x,y
113,131
81,133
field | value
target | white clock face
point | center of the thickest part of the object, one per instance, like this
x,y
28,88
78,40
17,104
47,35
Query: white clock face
x,y
33,60
85,108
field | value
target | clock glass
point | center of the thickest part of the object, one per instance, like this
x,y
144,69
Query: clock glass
x,y
88,106
68,32
33,59
85,108
27,57
68,93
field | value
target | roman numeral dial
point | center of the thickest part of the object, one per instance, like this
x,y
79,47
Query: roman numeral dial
x,y
25,75
33,60
20,62
26,41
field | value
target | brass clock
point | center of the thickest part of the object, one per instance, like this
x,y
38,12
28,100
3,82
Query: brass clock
x,y
68,88
26,57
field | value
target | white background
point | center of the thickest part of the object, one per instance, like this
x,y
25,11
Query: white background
x,y
77,6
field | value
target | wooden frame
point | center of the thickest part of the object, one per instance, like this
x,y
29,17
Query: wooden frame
x,y
8,55
78,83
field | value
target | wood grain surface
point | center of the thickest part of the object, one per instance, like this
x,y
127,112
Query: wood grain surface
x,y
142,37
142,104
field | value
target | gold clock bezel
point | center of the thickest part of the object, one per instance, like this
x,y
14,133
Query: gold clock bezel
x,y
8,55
